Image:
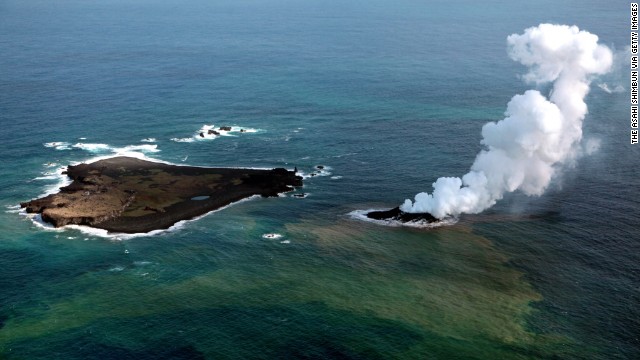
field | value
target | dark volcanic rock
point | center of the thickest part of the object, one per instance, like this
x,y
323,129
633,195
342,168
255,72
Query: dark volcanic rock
x,y
399,215
123,194
213,132
225,128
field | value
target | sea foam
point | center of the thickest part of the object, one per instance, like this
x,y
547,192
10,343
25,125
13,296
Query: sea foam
x,y
58,145
100,148
273,236
203,133
319,170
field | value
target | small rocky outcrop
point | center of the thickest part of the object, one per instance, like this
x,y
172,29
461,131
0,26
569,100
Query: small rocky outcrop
x,y
396,214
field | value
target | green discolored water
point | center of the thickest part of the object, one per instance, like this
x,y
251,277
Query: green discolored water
x,y
334,289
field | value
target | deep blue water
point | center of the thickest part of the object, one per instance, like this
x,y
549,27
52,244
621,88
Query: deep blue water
x,y
390,96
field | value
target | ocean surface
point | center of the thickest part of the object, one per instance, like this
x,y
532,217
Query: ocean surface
x,y
388,96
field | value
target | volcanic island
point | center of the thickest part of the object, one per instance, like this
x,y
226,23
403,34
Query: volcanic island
x,y
129,195
398,215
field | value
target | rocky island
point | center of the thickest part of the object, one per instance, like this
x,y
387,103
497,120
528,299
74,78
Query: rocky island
x,y
396,214
129,195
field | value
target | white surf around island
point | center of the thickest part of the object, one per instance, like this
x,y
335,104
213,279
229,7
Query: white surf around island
x,y
361,215
58,145
276,236
12,209
58,174
98,148
62,180
105,148
142,151
272,236
36,219
105,151
211,132
102,151
318,171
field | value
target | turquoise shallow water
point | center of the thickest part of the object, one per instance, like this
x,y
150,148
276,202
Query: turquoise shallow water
x,y
389,96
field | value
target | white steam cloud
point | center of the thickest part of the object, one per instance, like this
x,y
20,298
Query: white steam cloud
x,y
525,150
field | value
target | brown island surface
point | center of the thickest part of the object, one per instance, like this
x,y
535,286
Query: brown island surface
x,y
129,195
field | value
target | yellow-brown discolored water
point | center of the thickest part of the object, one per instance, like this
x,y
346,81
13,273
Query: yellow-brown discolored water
x,y
446,283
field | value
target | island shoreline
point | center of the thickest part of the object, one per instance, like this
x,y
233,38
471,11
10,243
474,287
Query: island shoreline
x,y
129,195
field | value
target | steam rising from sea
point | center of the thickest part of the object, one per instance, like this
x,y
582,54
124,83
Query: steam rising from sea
x,y
539,134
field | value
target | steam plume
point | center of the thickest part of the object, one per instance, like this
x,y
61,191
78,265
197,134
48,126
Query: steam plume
x,y
525,149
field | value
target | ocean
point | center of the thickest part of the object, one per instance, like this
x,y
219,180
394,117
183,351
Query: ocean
x,y
387,96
